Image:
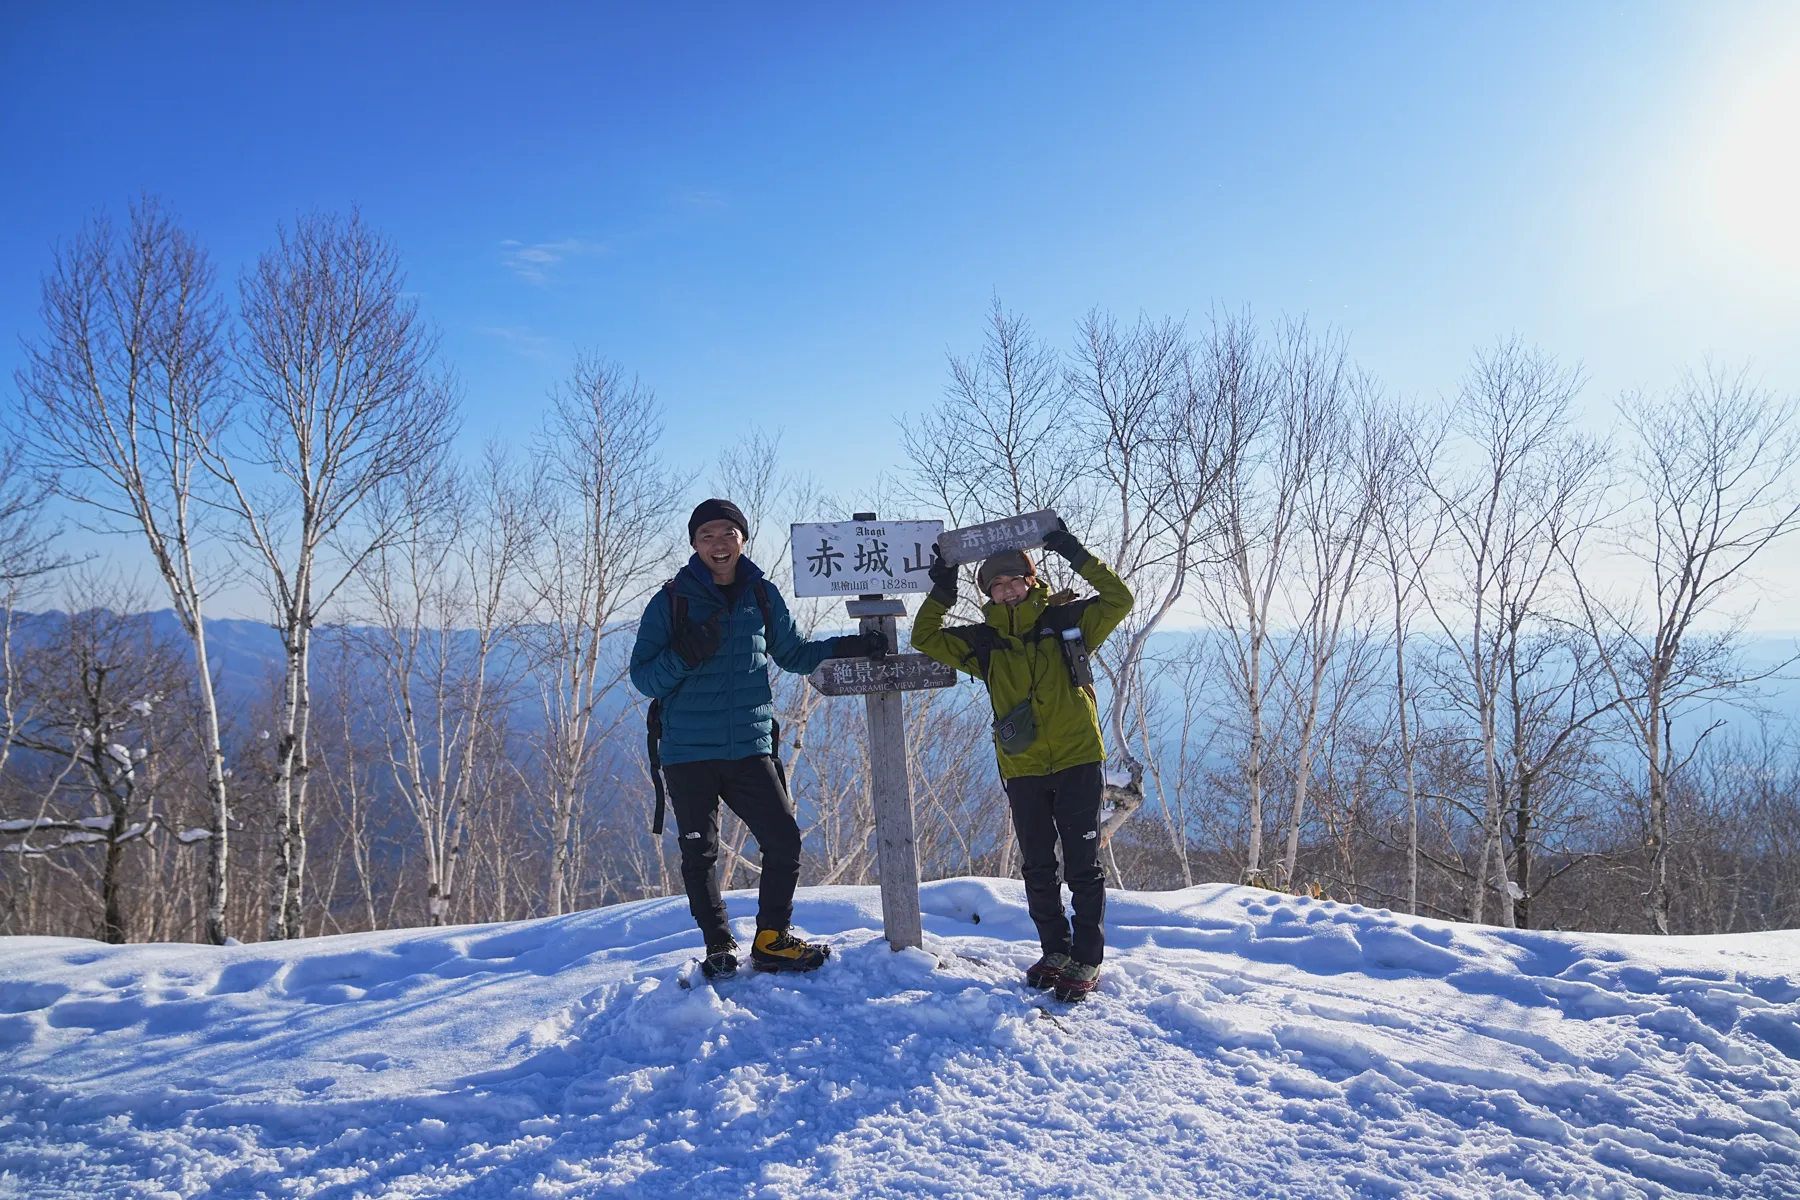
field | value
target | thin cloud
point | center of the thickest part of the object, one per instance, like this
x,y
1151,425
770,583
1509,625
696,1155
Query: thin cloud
x,y
699,199
526,341
532,261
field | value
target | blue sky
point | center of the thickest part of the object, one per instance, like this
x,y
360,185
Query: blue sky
x,y
787,214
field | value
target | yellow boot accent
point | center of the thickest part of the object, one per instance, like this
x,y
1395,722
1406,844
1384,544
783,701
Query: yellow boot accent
x,y
776,950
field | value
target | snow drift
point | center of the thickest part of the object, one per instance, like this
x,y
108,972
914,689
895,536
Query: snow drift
x,y
1242,1044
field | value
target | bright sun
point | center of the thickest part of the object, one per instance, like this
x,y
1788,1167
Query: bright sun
x,y
1747,180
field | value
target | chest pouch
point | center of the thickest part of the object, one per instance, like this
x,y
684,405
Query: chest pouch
x,y
1017,730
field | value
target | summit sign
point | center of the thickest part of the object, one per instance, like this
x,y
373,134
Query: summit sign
x,y
863,558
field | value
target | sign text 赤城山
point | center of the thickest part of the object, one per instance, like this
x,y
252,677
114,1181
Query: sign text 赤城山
x,y
976,542
863,558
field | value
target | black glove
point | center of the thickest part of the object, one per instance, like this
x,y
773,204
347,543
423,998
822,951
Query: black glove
x,y
1061,541
872,644
697,643
943,579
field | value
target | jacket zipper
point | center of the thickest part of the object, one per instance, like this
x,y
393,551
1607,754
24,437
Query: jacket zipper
x,y
1012,621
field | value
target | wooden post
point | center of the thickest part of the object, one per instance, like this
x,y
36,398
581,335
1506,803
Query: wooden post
x,y
890,792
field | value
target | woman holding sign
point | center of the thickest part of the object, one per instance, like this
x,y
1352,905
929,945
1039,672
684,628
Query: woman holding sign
x,y
1032,652
702,652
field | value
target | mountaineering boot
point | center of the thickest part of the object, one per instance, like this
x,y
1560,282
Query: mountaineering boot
x,y
1045,972
1076,981
777,950
720,961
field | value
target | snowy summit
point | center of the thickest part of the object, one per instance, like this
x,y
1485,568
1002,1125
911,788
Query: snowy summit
x,y
1241,1044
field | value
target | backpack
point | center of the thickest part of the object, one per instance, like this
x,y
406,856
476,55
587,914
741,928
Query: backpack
x,y
653,729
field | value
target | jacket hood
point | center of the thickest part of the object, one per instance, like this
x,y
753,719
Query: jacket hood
x,y
748,572
1020,618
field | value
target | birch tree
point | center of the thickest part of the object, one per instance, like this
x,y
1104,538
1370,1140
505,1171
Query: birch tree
x,y
342,397
997,445
1158,434
123,396
1338,491
27,555
1257,510
1512,502
1404,535
444,599
603,540
1712,464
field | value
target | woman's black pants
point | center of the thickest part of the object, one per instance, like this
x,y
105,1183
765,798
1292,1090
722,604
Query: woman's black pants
x,y
1063,804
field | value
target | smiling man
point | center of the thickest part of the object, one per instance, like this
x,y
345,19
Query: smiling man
x,y
703,650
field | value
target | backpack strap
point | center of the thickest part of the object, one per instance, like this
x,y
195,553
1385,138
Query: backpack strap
x,y
1059,617
653,735
653,718
1053,623
982,640
761,590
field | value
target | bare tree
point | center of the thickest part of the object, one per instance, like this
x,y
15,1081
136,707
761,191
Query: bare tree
x,y
750,474
337,367
98,682
27,555
1336,495
1403,540
1553,707
1257,509
123,396
446,608
1157,422
995,446
348,765
27,538
602,542
1512,504
1185,672
1713,466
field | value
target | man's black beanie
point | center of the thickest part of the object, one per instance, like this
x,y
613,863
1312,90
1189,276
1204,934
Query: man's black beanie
x,y
718,510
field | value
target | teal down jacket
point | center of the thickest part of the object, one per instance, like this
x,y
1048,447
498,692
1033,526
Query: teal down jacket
x,y
723,708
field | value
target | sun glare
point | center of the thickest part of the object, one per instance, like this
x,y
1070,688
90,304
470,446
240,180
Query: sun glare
x,y
1747,177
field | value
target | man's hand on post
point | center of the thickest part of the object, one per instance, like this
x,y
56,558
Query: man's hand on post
x,y
871,643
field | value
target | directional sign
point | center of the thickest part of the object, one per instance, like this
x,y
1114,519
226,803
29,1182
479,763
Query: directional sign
x,y
863,558
975,542
895,673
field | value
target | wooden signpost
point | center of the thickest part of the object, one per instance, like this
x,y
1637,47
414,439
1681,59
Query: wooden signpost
x,y
898,553
975,542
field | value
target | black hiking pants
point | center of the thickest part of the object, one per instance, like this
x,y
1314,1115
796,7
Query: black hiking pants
x,y
1063,804
754,791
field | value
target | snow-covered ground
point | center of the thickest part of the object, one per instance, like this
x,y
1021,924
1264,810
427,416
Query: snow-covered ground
x,y
1242,1044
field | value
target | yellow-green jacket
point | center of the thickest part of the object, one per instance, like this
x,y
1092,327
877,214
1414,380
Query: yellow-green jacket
x,y
1003,654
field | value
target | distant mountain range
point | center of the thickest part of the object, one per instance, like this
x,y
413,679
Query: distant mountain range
x,y
246,660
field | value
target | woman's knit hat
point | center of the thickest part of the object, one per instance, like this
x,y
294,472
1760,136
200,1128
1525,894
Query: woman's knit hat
x,y
1016,563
